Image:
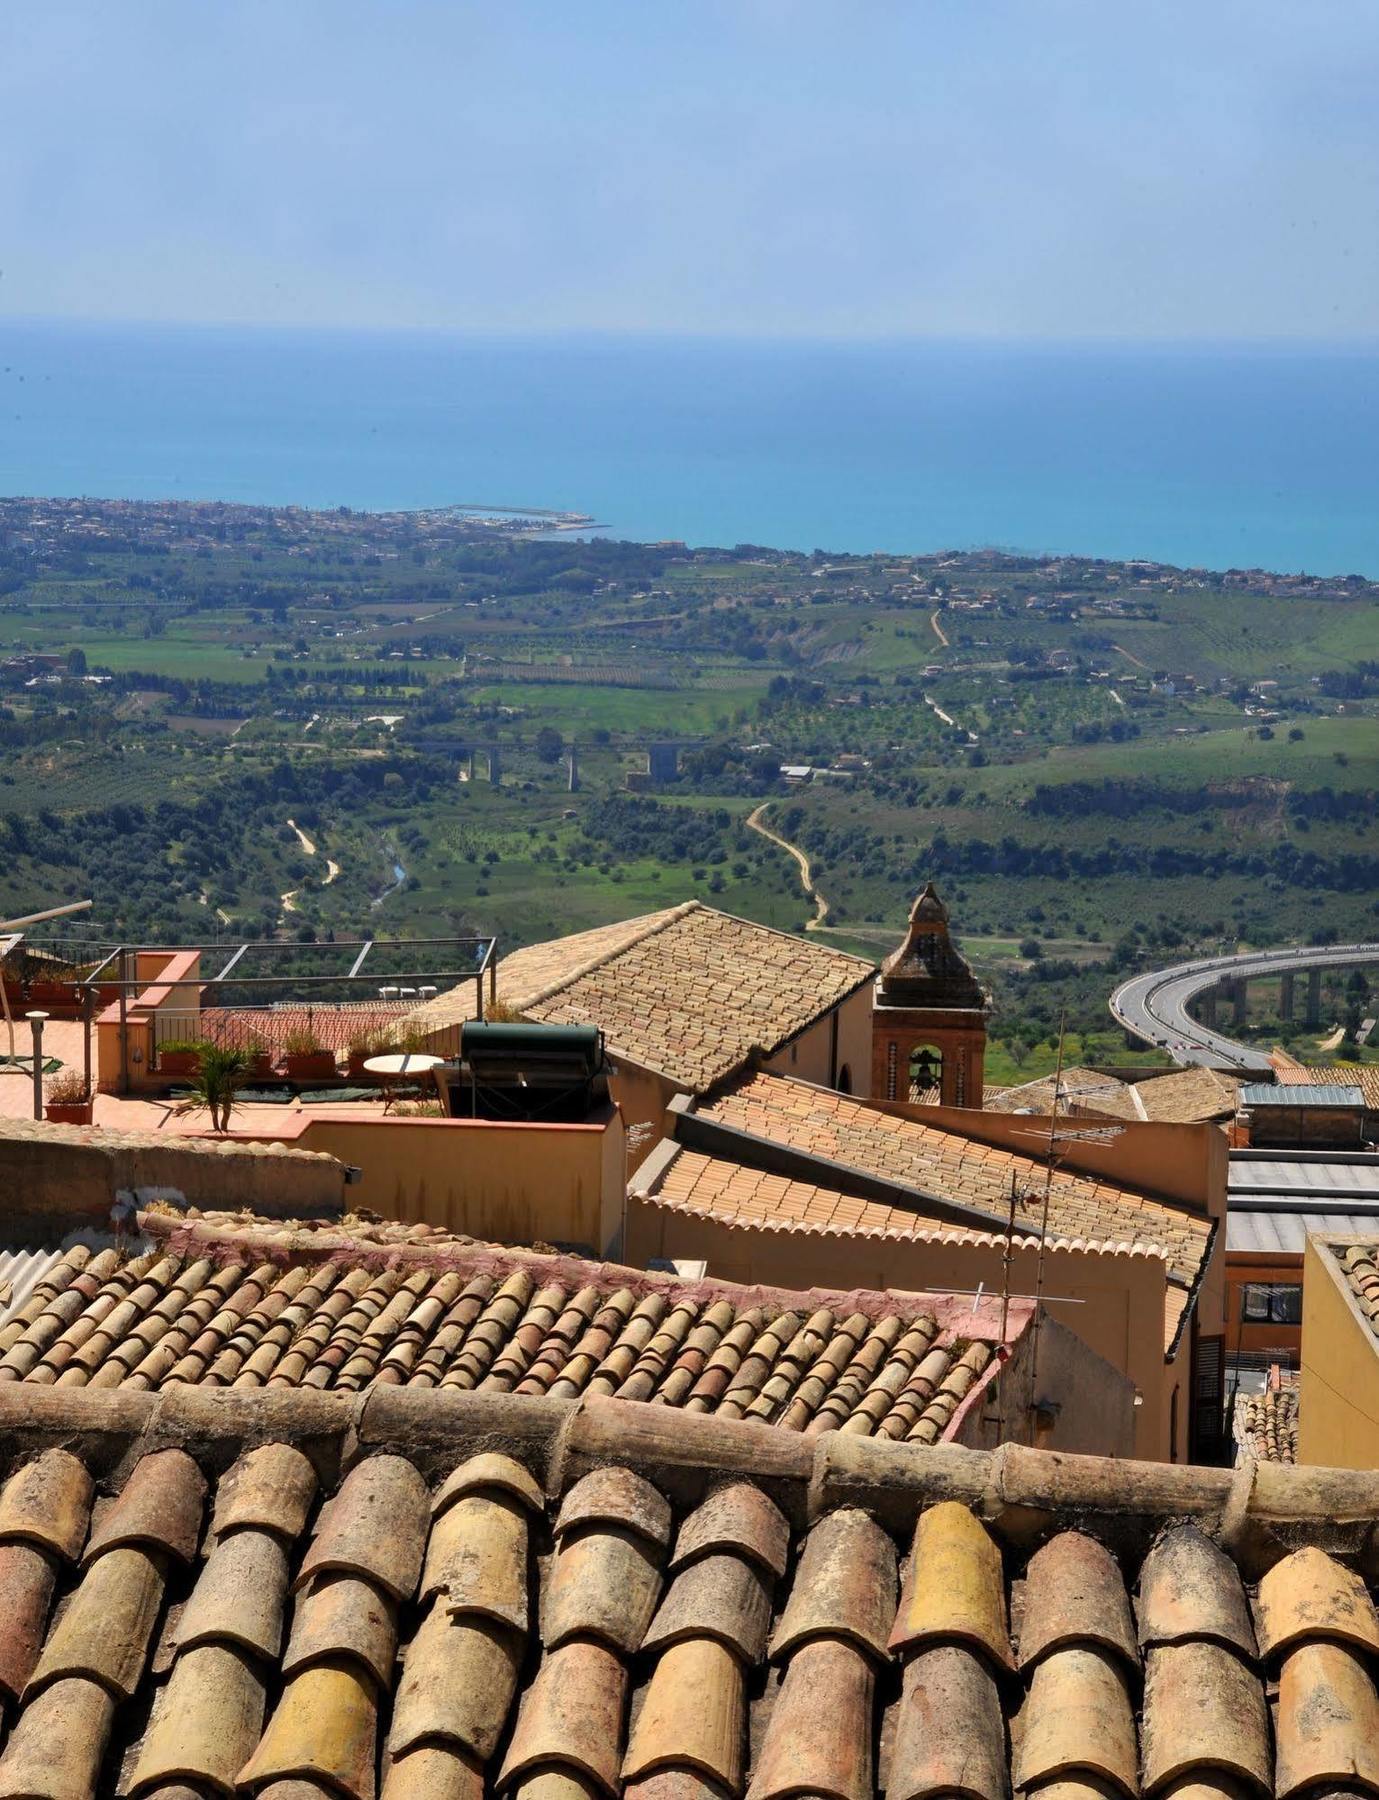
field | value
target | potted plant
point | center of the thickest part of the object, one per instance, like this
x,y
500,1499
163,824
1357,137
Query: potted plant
x,y
178,1056
362,1046
260,1060
307,1058
68,1100
221,1073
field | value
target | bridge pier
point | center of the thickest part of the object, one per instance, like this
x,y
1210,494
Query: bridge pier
x,y
1239,1002
1286,1001
1313,1013
1206,1007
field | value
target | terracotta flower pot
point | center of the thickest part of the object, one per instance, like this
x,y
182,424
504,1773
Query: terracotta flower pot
x,y
260,1066
178,1062
311,1065
68,1112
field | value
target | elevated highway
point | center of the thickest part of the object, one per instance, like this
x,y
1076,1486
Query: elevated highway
x,y
1155,1006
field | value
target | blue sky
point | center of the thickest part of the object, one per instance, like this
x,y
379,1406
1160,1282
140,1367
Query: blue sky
x,y
975,168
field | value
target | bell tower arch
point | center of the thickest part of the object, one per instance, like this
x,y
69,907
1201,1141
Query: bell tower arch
x,y
928,1015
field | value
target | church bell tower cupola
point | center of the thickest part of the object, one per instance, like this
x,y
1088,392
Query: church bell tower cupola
x,y
928,1015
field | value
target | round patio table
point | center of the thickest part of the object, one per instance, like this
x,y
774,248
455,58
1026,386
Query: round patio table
x,y
396,1066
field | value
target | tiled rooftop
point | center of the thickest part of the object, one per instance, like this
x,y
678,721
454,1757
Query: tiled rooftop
x,y
587,1623
690,992
1360,1265
958,1168
245,1309
1081,1091
1188,1097
1266,1425
1363,1076
1184,1097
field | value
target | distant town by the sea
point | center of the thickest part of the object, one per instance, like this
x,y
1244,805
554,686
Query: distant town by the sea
x,y
1211,455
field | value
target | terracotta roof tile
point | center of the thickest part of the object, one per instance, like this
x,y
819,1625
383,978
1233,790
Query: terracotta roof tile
x,y
1265,1425
927,1159
362,1693
689,991
451,1316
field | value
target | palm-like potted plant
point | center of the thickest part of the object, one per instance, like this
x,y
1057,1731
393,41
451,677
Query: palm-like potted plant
x,y
178,1056
67,1099
306,1056
221,1072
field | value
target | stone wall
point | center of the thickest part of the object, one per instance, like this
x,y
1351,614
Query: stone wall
x,y
56,1177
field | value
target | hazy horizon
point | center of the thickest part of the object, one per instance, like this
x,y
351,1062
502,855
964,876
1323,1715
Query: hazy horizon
x,y
755,169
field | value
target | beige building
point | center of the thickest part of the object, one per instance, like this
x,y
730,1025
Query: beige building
x,y
687,998
774,1178
1338,1388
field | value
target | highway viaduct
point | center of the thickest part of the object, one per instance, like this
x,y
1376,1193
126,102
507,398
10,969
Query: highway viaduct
x,y
1154,1007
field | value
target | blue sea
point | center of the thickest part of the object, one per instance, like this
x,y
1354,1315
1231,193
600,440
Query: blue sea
x,y
1211,455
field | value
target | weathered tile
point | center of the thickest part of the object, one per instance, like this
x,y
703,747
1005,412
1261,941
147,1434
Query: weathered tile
x,y
458,1680
485,1472
1075,1594
814,1748
299,1789
375,1525
1203,1709
104,1633
662,1784
1078,1719
1327,1722
206,1721
955,1587
342,1616
47,1501
159,1508
270,1488
572,1716
844,1585
28,1576
694,1715
1309,1596
238,1598
1190,1588
477,1557
950,1735
555,1784
615,1496
718,1595
604,1583
740,1518
58,1743
322,1729
432,1772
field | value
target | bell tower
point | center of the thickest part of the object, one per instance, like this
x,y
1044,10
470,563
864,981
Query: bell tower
x,y
928,1015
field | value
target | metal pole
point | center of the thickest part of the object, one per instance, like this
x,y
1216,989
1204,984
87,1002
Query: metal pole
x,y
36,1022
124,1022
86,1000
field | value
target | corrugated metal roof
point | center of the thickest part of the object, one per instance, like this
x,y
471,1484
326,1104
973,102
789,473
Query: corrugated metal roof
x,y
1321,1093
22,1268
1342,1181
1286,1232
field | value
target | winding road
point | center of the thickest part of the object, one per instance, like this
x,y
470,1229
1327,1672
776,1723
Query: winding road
x,y
1154,1006
754,823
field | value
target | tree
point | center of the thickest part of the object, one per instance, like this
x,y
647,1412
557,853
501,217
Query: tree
x,y
548,744
76,661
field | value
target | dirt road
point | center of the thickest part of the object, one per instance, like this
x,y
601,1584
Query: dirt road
x,y
754,821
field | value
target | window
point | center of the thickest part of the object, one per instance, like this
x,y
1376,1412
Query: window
x,y
1272,1303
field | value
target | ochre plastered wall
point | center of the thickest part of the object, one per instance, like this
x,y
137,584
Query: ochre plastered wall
x,y
1338,1401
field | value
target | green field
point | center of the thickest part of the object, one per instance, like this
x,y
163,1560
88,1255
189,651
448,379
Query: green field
x,y
1108,789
